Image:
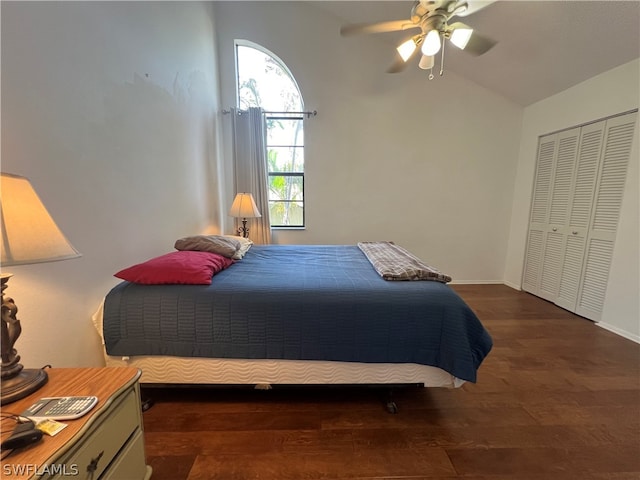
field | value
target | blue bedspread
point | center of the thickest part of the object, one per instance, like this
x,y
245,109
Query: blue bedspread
x,y
299,302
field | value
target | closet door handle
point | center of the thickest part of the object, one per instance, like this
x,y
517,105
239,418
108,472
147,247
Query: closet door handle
x,y
575,232
555,229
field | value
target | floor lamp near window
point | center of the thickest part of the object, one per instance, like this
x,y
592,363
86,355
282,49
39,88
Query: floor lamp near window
x,y
244,206
29,235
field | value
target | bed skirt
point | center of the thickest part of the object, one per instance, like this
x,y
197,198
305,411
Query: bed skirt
x,y
217,371
264,372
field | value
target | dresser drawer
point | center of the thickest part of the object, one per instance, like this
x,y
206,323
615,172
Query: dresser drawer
x,y
130,463
105,439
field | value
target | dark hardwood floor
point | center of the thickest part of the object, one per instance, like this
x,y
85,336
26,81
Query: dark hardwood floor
x,y
557,398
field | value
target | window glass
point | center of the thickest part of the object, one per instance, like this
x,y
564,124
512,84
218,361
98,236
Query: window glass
x,y
264,81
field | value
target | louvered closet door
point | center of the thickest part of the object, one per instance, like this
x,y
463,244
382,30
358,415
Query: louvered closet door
x,y
581,201
547,229
577,196
609,189
556,226
539,213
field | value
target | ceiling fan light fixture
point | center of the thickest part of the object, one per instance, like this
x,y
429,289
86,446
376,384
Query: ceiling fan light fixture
x,y
406,49
431,44
427,62
460,37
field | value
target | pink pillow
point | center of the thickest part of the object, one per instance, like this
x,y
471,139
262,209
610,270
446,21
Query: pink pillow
x,y
184,267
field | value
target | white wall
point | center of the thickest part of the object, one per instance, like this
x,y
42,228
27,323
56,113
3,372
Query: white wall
x,y
607,94
429,165
107,109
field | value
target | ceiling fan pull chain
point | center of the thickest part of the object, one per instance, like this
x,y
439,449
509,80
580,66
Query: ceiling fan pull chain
x,y
442,57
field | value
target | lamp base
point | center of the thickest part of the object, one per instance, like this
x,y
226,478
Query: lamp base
x,y
25,383
243,231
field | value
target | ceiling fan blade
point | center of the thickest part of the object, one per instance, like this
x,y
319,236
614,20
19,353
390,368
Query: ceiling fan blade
x,y
479,44
380,27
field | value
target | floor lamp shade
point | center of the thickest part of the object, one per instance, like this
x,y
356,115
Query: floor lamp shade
x,y
29,234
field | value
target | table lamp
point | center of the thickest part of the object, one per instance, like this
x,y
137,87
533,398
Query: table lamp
x,y
244,207
29,235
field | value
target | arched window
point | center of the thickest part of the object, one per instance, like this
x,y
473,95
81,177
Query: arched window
x,y
263,80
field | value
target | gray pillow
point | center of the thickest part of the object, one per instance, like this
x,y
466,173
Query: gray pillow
x,y
224,246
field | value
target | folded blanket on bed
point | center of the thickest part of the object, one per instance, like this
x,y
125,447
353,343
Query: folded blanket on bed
x,y
393,262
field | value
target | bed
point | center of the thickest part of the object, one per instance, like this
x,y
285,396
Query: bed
x,y
304,314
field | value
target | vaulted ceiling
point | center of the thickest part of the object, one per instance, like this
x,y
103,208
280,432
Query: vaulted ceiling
x,y
544,47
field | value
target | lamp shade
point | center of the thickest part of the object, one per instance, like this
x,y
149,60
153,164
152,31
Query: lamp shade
x,y
461,35
431,44
29,234
244,207
406,49
426,62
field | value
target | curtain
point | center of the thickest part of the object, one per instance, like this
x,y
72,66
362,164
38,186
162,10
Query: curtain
x,y
249,151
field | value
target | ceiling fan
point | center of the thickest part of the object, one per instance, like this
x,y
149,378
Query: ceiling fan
x,y
432,18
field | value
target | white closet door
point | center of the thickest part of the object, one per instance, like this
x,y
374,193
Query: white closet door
x,y
533,262
557,219
539,213
577,196
609,190
581,203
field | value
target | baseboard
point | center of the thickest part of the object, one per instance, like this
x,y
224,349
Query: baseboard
x,y
486,282
512,285
619,331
